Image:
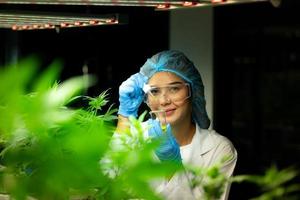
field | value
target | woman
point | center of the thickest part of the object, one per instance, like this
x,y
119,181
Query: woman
x,y
170,82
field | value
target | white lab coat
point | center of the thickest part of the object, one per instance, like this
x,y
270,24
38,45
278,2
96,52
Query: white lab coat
x,y
206,149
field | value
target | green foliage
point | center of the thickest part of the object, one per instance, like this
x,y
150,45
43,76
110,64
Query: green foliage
x,y
47,148
274,184
211,180
52,151
133,165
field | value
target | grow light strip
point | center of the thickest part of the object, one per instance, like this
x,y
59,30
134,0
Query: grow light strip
x,y
29,21
153,3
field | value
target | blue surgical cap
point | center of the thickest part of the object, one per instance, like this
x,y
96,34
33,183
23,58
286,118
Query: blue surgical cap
x,y
177,63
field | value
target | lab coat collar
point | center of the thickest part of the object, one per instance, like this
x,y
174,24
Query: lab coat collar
x,y
203,139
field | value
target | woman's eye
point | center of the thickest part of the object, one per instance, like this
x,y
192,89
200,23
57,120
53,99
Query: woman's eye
x,y
174,89
154,91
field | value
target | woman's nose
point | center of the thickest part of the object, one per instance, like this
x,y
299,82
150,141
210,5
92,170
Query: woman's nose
x,y
164,99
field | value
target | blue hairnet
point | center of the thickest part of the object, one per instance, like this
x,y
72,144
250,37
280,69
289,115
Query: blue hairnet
x,y
177,63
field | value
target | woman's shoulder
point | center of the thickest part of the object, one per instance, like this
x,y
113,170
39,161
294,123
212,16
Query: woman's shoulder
x,y
212,135
211,139
219,145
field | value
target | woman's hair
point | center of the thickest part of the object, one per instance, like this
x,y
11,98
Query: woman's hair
x,y
177,63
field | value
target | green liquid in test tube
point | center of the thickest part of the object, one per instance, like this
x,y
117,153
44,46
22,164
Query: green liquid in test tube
x,y
163,127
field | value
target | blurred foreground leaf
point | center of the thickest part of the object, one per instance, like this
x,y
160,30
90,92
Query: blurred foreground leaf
x,y
52,151
48,149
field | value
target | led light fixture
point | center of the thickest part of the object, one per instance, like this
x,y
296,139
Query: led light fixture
x,y
153,3
21,20
44,20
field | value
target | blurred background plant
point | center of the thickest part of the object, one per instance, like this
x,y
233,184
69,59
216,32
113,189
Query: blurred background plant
x,y
51,149
274,184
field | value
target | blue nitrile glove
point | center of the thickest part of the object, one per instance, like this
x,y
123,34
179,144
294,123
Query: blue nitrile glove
x,y
131,95
168,150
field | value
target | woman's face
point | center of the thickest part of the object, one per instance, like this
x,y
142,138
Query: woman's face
x,y
170,93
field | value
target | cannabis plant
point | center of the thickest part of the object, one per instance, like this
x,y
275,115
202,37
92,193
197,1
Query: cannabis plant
x,y
53,150
48,149
274,184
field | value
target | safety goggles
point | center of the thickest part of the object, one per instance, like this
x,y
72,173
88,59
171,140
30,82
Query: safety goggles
x,y
175,92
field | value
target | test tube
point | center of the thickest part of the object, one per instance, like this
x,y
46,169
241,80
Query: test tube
x,y
161,116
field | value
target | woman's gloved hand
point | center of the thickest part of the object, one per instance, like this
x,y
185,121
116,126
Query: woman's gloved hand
x,y
131,95
168,150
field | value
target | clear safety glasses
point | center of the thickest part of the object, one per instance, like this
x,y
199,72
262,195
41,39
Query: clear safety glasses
x,y
175,92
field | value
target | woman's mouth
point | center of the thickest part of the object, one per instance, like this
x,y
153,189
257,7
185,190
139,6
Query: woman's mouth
x,y
169,112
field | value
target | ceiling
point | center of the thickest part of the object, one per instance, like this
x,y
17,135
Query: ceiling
x,y
49,14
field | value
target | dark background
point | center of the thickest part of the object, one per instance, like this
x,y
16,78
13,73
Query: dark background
x,y
256,71
257,86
